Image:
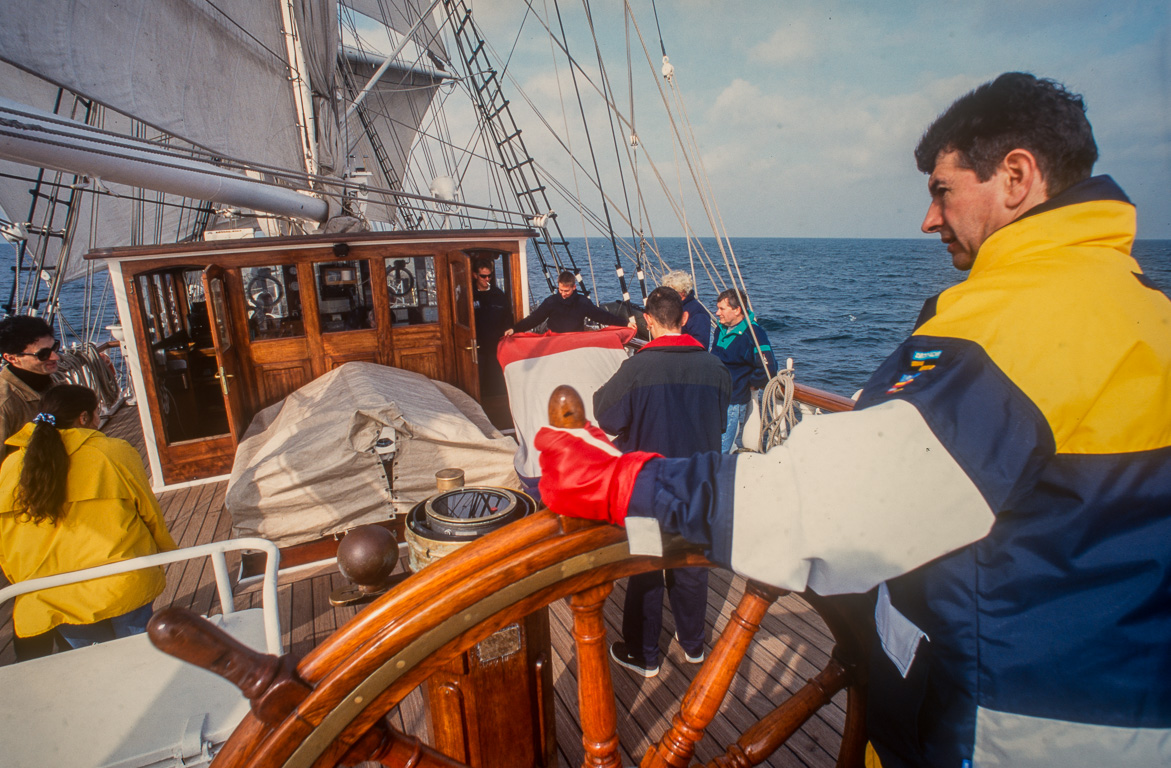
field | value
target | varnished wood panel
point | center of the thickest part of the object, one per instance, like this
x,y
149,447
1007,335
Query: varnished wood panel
x,y
428,362
276,382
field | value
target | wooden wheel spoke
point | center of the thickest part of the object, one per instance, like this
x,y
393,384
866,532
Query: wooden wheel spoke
x,y
595,689
711,683
775,728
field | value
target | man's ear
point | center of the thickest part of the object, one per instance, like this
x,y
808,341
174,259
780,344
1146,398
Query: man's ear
x,y
686,315
1024,186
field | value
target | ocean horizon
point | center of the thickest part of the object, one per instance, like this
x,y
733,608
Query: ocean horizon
x,y
837,306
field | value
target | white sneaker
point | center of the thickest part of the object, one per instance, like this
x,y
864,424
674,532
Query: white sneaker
x,y
697,659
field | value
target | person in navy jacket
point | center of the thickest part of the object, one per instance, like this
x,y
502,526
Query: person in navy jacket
x,y
698,324
670,398
566,311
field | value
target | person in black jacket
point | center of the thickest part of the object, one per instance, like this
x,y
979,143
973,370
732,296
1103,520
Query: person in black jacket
x,y
669,398
566,311
493,313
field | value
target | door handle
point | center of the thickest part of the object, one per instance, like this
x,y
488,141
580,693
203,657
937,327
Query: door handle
x,y
474,350
223,376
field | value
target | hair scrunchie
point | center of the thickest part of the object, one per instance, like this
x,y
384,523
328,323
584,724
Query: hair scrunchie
x,y
45,418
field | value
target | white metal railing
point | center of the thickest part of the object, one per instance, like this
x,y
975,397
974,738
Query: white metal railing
x,y
215,550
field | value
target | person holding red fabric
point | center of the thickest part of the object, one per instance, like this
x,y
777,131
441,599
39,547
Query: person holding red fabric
x,y
671,398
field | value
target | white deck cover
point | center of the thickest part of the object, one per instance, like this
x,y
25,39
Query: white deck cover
x,y
119,704
306,466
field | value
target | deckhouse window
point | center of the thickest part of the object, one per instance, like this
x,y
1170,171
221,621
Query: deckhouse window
x,y
273,298
411,285
345,300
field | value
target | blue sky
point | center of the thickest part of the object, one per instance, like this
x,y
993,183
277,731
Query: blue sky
x,y
806,113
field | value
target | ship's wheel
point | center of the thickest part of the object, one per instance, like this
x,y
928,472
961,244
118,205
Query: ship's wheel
x,y
329,708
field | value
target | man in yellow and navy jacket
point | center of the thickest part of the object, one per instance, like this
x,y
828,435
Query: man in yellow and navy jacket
x,y
1004,482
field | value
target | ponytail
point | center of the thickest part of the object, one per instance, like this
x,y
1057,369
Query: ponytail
x,y
40,495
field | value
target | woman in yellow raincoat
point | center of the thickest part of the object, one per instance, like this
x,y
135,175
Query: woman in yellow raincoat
x,y
71,498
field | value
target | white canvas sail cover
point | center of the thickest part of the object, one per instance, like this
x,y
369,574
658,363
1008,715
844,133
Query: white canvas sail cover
x,y
306,467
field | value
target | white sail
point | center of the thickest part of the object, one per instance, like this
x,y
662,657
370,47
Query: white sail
x,y
219,80
394,109
401,16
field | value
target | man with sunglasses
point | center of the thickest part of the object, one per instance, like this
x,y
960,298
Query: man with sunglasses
x,y
493,318
30,355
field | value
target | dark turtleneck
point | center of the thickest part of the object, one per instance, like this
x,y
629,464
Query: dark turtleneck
x,y
40,382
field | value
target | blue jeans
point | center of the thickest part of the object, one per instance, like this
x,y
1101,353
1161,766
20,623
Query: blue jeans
x,y
132,623
737,414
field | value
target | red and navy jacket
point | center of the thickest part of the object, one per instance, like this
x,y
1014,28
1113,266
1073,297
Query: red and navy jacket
x,y
671,398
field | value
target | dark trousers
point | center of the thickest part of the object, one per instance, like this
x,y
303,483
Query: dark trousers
x,y
37,646
642,617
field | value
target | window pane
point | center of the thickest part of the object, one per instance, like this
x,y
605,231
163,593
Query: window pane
x,y
411,285
344,299
459,281
273,297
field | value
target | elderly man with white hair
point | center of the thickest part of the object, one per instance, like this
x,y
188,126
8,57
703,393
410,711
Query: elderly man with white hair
x,y
697,323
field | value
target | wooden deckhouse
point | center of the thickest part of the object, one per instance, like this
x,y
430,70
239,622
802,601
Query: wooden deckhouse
x,y
217,330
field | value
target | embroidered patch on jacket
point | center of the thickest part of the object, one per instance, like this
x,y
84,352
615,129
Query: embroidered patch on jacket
x,y
920,361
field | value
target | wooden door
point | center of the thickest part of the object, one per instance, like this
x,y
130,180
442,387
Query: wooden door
x,y
227,362
463,326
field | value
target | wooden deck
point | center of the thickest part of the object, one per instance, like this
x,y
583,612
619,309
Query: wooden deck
x,y
792,645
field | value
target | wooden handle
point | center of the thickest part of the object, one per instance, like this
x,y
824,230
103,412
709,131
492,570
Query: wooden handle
x,y
566,410
270,683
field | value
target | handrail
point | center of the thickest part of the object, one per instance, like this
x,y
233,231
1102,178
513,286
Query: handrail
x,y
215,550
819,398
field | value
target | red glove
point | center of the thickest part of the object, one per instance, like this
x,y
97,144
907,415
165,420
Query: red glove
x,y
584,475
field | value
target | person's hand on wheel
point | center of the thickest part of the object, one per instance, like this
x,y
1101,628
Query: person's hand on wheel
x,y
584,475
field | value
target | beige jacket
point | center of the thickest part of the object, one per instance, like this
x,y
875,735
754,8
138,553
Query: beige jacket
x,y
18,406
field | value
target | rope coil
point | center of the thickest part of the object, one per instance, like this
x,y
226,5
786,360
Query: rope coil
x,y
778,412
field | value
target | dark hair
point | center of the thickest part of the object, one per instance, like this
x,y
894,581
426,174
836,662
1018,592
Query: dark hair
x,y
665,306
566,278
1015,111
18,331
483,263
734,298
40,495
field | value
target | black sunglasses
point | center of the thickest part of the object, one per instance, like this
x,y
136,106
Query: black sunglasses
x,y
44,354
486,275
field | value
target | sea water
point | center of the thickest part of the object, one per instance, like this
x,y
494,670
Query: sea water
x,y
838,307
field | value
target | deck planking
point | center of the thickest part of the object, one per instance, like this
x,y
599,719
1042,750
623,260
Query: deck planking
x,y
791,647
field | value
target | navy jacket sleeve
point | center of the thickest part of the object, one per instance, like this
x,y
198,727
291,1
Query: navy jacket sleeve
x,y
538,316
599,315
